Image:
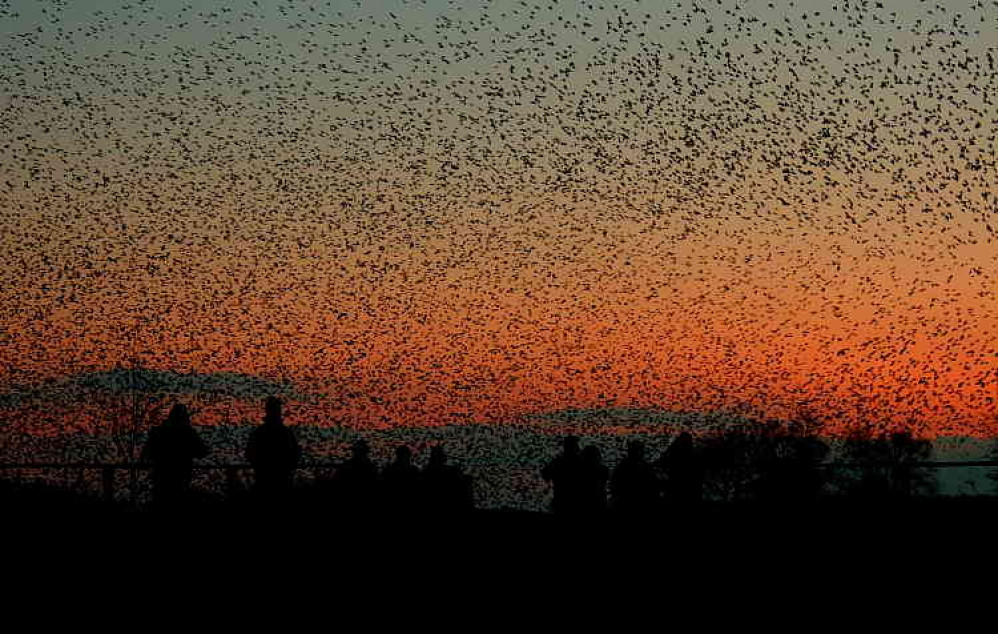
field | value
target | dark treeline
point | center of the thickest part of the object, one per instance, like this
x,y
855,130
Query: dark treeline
x,y
772,464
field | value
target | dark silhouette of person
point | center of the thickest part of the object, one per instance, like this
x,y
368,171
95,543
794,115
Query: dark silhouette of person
x,y
171,449
683,472
355,481
401,481
564,473
447,490
592,482
634,487
273,452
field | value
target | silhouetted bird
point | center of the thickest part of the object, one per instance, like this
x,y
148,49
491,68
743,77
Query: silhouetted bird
x,y
634,486
273,451
171,449
565,473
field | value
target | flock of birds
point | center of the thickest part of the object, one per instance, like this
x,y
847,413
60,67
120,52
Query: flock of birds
x,y
430,211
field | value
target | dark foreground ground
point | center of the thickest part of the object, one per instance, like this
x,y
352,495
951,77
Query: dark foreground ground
x,y
242,560
39,521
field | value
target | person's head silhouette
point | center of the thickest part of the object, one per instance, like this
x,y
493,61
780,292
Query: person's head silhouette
x,y
273,411
571,445
684,441
360,450
437,456
178,416
591,455
403,456
636,450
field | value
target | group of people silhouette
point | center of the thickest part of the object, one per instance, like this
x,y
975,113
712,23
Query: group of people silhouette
x,y
580,479
401,487
274,454
637,487
172,447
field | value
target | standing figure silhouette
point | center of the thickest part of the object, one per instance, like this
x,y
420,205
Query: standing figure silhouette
x,y
565,473
401,483
446,489
171,448
273,451
634,487
355,482
683,472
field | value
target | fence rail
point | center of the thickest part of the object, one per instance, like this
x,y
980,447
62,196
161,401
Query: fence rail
x,y
108,470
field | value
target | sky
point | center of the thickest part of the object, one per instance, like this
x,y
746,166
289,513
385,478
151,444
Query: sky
x,y
427,213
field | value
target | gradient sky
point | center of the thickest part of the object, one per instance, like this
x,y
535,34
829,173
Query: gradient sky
x,y
439,212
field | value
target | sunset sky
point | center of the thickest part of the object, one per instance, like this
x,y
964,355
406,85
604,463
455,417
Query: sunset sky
x,y
426,212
